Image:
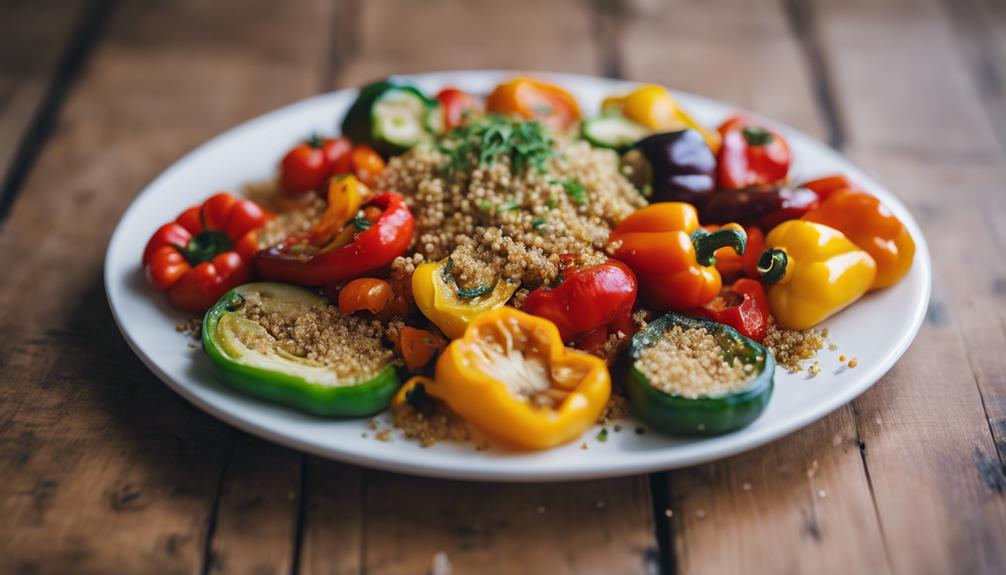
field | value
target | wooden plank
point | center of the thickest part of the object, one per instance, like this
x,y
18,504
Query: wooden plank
x,y
935,473
106,470
415,524
808,490
34,35
410,523
332,531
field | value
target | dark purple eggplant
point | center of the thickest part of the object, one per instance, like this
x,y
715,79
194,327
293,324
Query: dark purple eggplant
x,y
674,167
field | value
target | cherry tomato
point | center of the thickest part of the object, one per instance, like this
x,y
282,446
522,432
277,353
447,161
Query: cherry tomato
x,y
457,104
367,164
310,164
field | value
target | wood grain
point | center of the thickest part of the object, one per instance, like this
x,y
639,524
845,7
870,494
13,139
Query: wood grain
x,y
105,469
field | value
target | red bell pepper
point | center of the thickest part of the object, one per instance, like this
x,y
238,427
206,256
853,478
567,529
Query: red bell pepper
x,y
742,306
828,185
751,155
205,252
457,104
588,300
376,243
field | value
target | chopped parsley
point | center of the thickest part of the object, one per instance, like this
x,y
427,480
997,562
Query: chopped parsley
x,y
526,143
576,191
507,206
602,435
537,223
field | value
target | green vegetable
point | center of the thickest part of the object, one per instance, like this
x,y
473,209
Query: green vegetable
x,y
613,131
273,373
390,115
576,191
708,415
487,140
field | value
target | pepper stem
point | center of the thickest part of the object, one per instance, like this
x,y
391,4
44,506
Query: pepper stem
x,y
772,266
706,243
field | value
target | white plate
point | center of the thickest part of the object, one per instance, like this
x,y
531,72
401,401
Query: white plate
x,y
876,330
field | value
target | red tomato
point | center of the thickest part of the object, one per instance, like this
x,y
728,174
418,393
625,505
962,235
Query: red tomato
x,y
751,155
309,165
457,104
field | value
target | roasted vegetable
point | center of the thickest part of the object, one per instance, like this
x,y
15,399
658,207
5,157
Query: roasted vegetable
x,y
751,155
309,165
673,167
814,272
389,115
532,99
450,306
703,415
765,207
653,107
248,358
742,306
613,131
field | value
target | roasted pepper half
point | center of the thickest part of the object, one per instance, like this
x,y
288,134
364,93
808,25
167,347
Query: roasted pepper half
x,y
815,272
535,100
653,107
248,358
743,306
449,306
590,299
871,226
372,244
510,376
677,414
672,256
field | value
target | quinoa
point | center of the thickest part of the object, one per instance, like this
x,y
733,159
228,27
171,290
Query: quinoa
x,y
689,363
349,345
791,347
618,408
430,426
495,223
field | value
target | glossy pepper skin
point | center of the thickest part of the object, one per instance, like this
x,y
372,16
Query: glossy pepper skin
x,y
732,265
742,306
279,378
533,99
871,226
751,155
372,248
653,107
465,380
679,415
674,167
671,256
206,251
764,207
814,272
588,299
449,307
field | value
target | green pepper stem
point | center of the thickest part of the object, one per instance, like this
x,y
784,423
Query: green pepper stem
x,y
706,243
757,136
772,266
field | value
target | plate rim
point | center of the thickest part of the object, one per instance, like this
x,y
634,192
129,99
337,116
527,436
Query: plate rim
x,y
649,464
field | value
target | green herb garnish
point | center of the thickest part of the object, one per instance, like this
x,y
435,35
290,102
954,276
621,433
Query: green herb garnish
x,y
507,206
537,223
602,435
577,192
526,143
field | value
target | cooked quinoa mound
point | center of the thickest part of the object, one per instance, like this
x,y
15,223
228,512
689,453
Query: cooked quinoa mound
x,y
792,347
349,345
689,363
495,223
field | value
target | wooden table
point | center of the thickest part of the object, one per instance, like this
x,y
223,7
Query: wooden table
x,y
105,470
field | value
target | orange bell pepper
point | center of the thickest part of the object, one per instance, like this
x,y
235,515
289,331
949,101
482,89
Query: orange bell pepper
x,y
535,100
872,227
673,258
732,265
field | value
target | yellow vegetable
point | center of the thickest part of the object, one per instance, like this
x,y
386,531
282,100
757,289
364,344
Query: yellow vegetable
x,y
450,307
511,376
653,107
815,270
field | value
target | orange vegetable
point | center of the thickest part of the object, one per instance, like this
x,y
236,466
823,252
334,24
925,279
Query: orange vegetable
x,y
370,294
418,346
367,164
535,100
732,265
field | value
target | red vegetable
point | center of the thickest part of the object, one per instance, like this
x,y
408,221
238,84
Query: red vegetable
x,y
742,306
310,164
374,246
206,251
588,300
826,186
456,105
751,155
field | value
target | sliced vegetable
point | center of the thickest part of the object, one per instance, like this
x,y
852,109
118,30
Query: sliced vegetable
x,y
389,115
674,167
613,131
596,298
450,306
345,194
510,376
251,360
653,106
535,100
866,221
743,306
680,414
751,155
814,272
671,256
373,247
206,251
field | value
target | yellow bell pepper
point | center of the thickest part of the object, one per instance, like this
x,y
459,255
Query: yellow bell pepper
x,y
815,272
511,376
452,308
653,107
344,199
